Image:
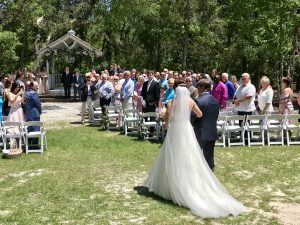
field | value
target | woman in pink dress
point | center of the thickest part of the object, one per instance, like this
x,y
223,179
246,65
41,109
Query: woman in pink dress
x,y
137,94
16,98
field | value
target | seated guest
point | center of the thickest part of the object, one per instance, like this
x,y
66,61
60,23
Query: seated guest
x,y
285,103
265,97
87,98
137,96
219,91
230,86
170,93
189,84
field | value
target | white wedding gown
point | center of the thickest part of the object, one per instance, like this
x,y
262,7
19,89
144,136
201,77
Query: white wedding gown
x,y
180,172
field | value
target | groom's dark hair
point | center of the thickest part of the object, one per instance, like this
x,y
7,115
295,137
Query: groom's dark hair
x,y
205,84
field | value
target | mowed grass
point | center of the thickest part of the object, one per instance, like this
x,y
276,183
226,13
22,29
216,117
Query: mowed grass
x,y
92,177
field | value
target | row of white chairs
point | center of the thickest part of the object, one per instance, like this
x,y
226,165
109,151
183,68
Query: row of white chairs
x,y
130,121
264,125
19,131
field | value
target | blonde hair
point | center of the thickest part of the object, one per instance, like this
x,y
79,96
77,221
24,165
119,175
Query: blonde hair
x,y
141,78
265,79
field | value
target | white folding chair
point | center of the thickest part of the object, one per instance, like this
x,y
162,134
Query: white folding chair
x,y
10,131
275,124
255,123
97,116
41,135
232,126
289,127
221,129
131,117
115,117
150,121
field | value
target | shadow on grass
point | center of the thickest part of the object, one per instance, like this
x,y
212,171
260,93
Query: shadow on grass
x,y
141,190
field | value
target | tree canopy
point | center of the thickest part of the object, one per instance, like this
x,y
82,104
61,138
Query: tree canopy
x,y
260,37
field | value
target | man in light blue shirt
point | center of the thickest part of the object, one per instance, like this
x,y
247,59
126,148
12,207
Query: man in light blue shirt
x,y
105,92
127,91
170,93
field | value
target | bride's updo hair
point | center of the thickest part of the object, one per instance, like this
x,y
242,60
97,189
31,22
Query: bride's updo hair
x,y
179,83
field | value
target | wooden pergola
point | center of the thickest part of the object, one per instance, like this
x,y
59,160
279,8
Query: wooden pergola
x,y
69,41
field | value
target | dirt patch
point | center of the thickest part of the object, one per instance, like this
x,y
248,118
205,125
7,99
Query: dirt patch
x,y
288,213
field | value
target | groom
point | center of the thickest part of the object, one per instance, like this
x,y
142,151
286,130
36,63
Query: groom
x,y
206,127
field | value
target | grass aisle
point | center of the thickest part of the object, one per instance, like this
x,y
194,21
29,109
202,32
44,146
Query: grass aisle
x,y
88,177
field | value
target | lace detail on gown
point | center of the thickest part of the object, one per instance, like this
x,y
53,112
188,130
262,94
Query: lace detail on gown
x,y
180,172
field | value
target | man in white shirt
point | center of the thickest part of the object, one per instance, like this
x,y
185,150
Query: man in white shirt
x,y
244,97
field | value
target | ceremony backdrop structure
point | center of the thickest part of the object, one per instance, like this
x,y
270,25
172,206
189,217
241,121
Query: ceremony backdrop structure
x,y
73,45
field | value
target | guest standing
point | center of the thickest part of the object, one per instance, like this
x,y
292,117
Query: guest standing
x,y
87,98
189,84
219,91
233,79
105,92
117,87
244,97
127,91
66,80
16,99
230,86
33,109
150,93
137,96
285,103
77,82
170,92
265,97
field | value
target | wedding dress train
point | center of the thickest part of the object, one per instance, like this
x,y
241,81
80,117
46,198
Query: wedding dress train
x,y
180,172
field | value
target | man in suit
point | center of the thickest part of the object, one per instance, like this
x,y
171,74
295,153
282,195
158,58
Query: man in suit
x,y
151,95
77,82
33,109
66,80
206,127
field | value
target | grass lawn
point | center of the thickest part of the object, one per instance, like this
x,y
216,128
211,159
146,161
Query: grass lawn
x,y
93,177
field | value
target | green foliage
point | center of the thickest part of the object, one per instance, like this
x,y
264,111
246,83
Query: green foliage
x,y
8,44
260,37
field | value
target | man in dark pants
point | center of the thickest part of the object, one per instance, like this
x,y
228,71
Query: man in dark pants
x,y
66,80
206,127
151,95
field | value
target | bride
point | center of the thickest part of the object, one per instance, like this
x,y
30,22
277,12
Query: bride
x,y
180,172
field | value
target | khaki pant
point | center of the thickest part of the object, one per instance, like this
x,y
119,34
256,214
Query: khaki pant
x,y
89,104
127,104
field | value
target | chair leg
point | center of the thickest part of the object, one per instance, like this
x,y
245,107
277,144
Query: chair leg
x,y
268,137
228,137
42,144
263,137
125,127
287,137
26,145
249,138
